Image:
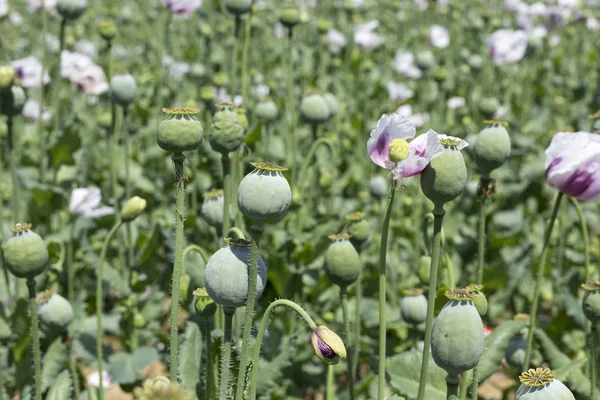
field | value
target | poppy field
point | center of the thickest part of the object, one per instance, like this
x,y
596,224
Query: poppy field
x,y
299,199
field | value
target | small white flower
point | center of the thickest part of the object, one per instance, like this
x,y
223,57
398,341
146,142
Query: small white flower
x,y
86,47
279,30
419,119
92,80
93,379
183,7
336,38
507,46
404,110
261,91
29,71
15,18
365,36
455,102
592,24
3,8
404,63
36,5
439,36
86,202
399,92
421,4
31,111
72,64
175,69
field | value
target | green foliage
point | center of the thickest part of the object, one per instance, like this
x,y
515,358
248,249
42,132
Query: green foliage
x,y
54,361
125,367
404,371
61,388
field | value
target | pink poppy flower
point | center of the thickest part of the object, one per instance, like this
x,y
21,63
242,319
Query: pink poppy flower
x,y
388,129
183,7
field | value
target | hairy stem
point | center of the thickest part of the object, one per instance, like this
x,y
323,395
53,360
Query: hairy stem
x,y
344,298
38,126
585,238
593,339
357,323
481,241
224,389
208,372
12,157
226,191
452,387
35,335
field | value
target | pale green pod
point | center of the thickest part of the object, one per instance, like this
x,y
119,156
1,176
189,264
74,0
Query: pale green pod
x,y
12,101
541,384
314,108
489,105
358,228
238,7
264,194
476,62
457,337
212,208
425,60
180,130
492,149
378,186
445,177
266,110
332,103
342,262
226,132
515,351
414,307
123,89
424,269
71,9
25,253
290,16
54,310
591,302
226,275
7,76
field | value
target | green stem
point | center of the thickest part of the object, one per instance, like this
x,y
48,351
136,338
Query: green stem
x,y
38,126
538,282
224,390
100,307
125,135
57,83
452,387
481,241
593,360
75,376
289,105
12,156
465,377
474,384
178,162
196,248
35,335
357,323
382,287
330,389
261,333
70,264
309,156
433,279
586,239
247,34
234,58
208,373
225,161
256,231
344,298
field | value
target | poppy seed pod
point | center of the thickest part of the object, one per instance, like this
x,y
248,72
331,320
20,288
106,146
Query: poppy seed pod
x,y
328,346
424,269
332,104
207,93
342,262
226,133
54,310
264,194
107,29
7,76
591,301
414,307
457,337
212,208
358,228
290,16
492,148
71,9
25,253
12,101
314,108
204,305
180,130
238,7
241,113
266,110
425,60
541,384
378,186
489,105
515,351
123,89
480,302
445,177
226,275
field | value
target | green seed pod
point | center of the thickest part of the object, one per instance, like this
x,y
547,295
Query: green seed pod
x,y
54,311
457,336
264,194
238,7
480,302
133,208
541,384
71,9
328,346
314,108
205,306
226,132
475,62
180,130
12,101
425,60
358,228
290,16
25,253
591,301
342,262
332,104
138,320
445,177
266,110
212,208
107,29
414,307
7,76
207,93
323,26
123,89
489,105
221,79
378,187
424,270
515,351
197,70
492,148
226,275
241,113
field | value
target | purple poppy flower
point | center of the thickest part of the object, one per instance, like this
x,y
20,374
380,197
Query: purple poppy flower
x,y
573,164
507,46
421,151
328,346
183,7
29,71
388,128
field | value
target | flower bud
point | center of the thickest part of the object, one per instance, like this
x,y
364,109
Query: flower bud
x,y
226,132
7,76
212,208
358,228
541,383
342,262
414,307
323,26
12,101
476,62
123,89
54,311
591,301
290,16
205,306
264,194
180,130
238,7
107,29
332,104
424,270
133,208
71,9
492,148
25,253
314,108
328,346
266,110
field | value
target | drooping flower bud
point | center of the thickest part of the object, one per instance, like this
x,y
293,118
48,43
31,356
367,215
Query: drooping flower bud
x,y
54,310
424,269
492,148
207,93
123,89
489,105
541,383
133,208
25,253
226,133
328,346
314,108
71,9
205,306
480,301
180,130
